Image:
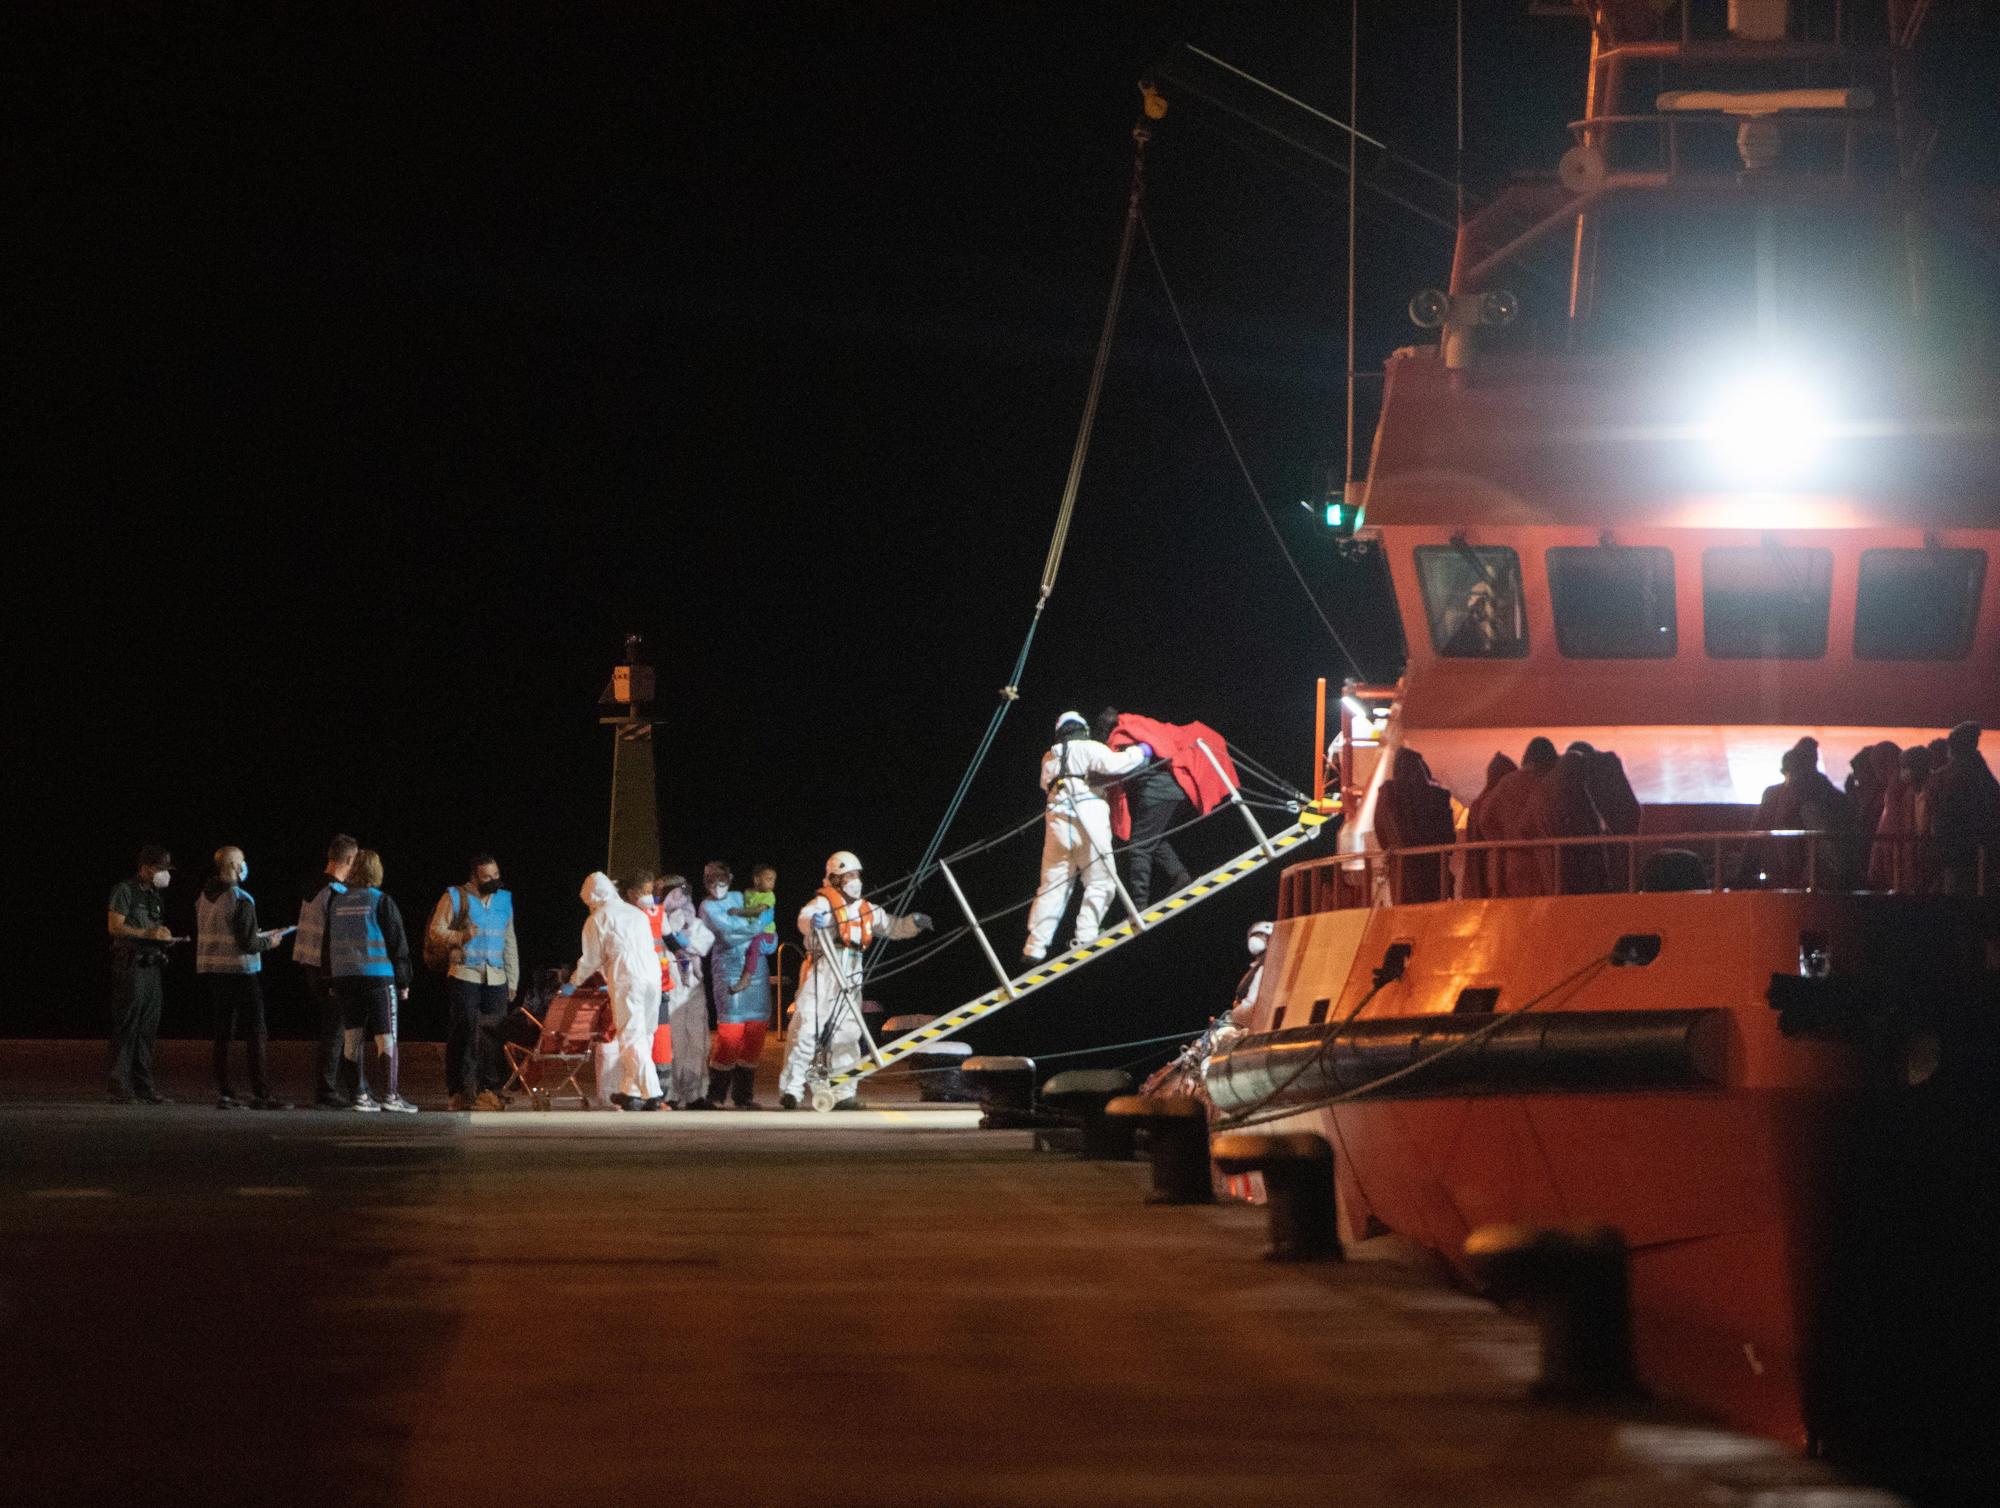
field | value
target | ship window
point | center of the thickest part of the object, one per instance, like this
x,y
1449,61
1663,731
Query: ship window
x,y
1612,602
1765,602
1917,604
1472,596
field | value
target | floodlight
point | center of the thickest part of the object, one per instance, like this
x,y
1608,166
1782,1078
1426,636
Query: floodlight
x,y
1767,425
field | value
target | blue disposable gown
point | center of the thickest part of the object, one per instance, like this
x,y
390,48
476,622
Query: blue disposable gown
x,y
736,936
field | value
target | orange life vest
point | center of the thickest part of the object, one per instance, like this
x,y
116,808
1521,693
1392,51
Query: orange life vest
x,y
656,917
853,921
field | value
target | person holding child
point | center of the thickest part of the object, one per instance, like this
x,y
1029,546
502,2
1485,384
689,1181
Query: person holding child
x,y
739,978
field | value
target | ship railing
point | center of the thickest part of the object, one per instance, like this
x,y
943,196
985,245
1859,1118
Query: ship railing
x,y
1669,129
1781,859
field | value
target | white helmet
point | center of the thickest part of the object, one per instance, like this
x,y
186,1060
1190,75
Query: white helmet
x,y
841,863
1262,929
1071,717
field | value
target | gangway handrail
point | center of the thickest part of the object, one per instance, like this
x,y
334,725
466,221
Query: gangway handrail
x,y
1142,921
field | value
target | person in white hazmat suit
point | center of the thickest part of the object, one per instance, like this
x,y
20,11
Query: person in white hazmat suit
x,y
838,927
1076,841
618,943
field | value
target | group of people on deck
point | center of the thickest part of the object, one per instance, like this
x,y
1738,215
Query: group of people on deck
x,y
1913,820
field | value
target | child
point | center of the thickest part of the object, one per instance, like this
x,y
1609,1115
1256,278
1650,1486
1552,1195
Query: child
x,y
760,899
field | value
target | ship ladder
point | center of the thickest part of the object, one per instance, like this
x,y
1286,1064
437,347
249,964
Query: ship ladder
x,y
824,1092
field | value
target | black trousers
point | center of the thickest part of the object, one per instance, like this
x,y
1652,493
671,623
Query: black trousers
x,y
236,1002
472,1036
333,1075
136,996
1150,851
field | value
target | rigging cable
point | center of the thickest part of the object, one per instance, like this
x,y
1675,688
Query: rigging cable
x,y
1235,450
1010,693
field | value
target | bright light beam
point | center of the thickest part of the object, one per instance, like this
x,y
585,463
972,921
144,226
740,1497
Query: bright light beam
x,y
1767,426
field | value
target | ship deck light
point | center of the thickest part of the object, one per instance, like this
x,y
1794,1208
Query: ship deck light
x,y
1767,425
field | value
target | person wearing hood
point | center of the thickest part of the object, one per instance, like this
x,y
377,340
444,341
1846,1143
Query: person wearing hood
x,y
1258,943
1804,799
137,923
1899,859
618,944
1076,835
1414,811
229,954
368,967
1481,869
739,1015
838,927
684,1013
1508,817
1562,808
1965,814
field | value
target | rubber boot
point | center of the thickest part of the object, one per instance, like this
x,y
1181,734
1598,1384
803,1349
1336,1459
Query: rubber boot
x,y
718,1087
743,1088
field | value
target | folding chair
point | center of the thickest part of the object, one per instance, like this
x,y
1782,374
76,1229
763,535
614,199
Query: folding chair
x,y
570,1028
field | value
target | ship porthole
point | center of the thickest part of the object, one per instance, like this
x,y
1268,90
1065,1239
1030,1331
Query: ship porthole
x,y
1923,1055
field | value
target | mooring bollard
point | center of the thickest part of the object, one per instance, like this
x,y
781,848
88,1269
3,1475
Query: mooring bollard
x,y
1298,1190
1573,1280
1176,1127
1006,1088
1081,1094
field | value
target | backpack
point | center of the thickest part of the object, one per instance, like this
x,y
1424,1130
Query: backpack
x,y
437,952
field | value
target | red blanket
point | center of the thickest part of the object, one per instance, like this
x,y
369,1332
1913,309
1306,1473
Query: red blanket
x,y
1174,742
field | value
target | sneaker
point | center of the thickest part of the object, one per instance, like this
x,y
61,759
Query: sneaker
x,y
488,1100
1029,958
228,1102
398,1105
788,1102
621,1102
654,1104
460,1103
269,1102
365,1103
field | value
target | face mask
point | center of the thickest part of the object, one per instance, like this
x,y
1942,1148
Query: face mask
x,y
1256,945
488,887
242,871
851,888
676,900
718,891
162,878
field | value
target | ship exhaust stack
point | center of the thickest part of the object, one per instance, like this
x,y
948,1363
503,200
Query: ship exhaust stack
x,y
1298,1190
1176,1127
1574,1281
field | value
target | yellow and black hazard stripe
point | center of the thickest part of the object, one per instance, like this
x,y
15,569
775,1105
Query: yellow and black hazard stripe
x,y
1305,831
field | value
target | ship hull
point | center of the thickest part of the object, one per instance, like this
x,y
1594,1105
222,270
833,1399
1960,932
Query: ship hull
x,y
1749,1174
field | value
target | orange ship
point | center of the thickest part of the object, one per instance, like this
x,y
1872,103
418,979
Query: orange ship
x,y
1702,463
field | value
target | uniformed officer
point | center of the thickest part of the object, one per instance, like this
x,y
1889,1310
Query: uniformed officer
x,y
139,938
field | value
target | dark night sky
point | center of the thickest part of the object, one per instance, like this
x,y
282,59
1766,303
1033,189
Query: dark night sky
x,y
392,366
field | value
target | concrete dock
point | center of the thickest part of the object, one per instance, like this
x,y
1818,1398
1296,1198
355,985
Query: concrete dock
x,y
892,1307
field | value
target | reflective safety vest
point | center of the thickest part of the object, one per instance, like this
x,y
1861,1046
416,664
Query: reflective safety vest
x,y
489,916
309,942
853,921
215,948
656,918
355,946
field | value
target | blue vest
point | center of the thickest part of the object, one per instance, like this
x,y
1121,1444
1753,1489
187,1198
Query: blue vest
x,y
491,915
309,943
356,948
215,947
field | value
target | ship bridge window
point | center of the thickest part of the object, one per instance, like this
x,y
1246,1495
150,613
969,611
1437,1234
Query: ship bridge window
x,y
1765,602
1613,602
1472,596
1917,604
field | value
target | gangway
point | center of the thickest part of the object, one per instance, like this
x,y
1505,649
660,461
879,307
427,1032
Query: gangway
x,y
825,1091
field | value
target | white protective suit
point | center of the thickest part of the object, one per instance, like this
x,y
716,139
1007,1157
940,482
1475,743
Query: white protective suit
x,y
618,943
1077,838
686,1009
830,991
